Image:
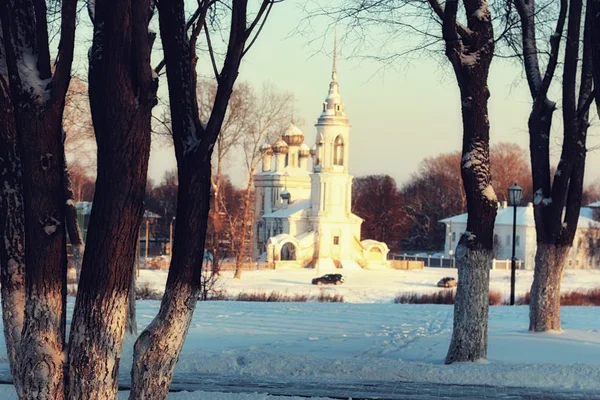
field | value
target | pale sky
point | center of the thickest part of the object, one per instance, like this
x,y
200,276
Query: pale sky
x,y
398,116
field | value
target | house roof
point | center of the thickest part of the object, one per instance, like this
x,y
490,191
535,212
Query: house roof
x,y
294,208
525,217
85,208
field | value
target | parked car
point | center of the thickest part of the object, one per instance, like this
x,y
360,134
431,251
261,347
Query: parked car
x,y
447,282
329,279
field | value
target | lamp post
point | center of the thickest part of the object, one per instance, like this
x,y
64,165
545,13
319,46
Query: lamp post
x,y
514,195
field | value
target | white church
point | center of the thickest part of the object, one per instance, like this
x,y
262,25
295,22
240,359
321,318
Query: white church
x,y
303,216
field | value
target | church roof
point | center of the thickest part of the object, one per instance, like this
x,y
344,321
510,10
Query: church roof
x,y
289,171
293,136
294,208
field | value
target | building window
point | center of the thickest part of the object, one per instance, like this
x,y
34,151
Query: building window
x,y
518,241
454,236
338,151
336,240
508,242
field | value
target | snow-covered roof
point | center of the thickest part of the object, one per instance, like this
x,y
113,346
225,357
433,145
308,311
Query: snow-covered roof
x,y
294,208
368,243
595,204
85,208
524,217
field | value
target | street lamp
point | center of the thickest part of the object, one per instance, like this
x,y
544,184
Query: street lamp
x,y
514,195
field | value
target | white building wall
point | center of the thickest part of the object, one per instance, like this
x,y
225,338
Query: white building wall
x,y
527,245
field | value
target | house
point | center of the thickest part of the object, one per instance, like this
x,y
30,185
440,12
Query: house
x,y
583,254
303,215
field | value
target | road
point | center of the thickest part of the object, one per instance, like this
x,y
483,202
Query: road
x,y
355,390
366,389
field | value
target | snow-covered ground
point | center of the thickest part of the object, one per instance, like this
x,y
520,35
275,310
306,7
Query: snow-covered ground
x,y
376,286
369,338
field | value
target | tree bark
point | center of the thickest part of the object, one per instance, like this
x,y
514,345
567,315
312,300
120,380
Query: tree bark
x,y
38,99
12,229
121,113
544,310
470,51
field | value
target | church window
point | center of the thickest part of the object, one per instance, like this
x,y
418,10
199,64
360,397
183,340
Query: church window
x,y
338,151
336,240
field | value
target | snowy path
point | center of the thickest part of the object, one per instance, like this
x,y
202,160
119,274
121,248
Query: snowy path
x,y
356,390
369,389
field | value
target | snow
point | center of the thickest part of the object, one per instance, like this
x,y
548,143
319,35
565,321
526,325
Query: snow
x,y
368,337
490,194
370,286
30,76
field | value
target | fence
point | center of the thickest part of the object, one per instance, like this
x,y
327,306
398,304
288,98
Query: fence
x,y
449,262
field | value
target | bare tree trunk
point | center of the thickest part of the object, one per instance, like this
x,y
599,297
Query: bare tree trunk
x,y
159,345
121,114
470,51
37,109
12,230
544,311
72,224
239,259
555,228
469,336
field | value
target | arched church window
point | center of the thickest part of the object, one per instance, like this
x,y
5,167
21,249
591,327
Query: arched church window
x,y
338,151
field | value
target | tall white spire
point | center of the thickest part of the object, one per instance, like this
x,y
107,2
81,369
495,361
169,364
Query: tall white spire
x,y
333,107
334,72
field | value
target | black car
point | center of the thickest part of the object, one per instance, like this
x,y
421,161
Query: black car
x,y
447,282
329,279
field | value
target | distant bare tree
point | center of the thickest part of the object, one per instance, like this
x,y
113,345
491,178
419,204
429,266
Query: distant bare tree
x,y
510,165
434,192
269,116
377,200
235,125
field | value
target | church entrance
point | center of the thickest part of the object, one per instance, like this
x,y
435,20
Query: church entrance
x,y
288,252
375,254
